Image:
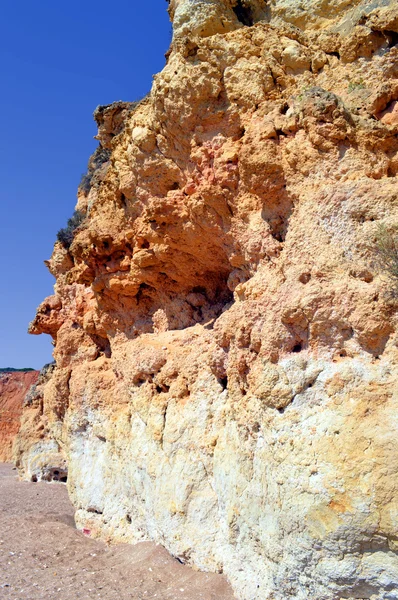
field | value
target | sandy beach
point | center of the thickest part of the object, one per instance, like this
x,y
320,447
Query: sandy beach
x,y
43,556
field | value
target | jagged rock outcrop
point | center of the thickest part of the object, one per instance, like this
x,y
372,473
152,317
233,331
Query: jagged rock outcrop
x,y
36,451
14,385
226,347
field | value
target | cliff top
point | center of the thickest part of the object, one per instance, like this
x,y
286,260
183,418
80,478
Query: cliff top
x,y
12,370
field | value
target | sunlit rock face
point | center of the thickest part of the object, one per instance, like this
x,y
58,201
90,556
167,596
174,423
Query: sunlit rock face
x,y
226,346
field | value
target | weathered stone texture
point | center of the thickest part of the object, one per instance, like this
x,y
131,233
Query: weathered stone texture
x,y
226,379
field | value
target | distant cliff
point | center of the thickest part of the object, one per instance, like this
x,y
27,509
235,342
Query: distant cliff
x,y
14,384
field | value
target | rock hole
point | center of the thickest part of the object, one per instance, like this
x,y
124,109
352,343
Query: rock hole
x,y
95,511
278,236
281,411
63,479
193,51
108,350
223,382
162,388
392,38
305,278
241,133
297,348
141,291
284,108
128,519
34,478
243,13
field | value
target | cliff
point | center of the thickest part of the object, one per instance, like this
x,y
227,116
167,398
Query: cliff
x,y
14,385
225,335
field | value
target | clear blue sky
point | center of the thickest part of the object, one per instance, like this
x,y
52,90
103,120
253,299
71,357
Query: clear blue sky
x,y
58,61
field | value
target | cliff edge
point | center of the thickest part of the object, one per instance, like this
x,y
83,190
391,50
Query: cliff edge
x,y
225,337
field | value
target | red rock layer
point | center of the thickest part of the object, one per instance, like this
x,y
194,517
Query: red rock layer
x,y
13,389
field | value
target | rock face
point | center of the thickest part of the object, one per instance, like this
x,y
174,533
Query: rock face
x,y
226,347
36,452
13,388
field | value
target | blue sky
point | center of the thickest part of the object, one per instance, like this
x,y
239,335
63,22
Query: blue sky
x,y
58,61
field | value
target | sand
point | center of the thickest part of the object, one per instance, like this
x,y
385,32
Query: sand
x,y
43,556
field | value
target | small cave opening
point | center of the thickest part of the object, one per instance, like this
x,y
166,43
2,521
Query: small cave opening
x,y
243,13
223,381
284,108
392,38
297,348
34,479
162,388
123,200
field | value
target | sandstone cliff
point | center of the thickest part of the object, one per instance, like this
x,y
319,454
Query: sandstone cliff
x,y
13,388
226,347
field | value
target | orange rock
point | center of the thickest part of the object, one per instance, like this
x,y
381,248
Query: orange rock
x,y
226,343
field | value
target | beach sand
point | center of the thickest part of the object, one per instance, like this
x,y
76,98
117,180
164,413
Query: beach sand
x,y
43,556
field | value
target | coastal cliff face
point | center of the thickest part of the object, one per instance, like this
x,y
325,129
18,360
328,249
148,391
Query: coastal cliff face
x,y
36,451
14,386
225,341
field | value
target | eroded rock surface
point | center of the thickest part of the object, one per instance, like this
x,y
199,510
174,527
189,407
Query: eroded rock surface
x,y
13,388
37,452
226,347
